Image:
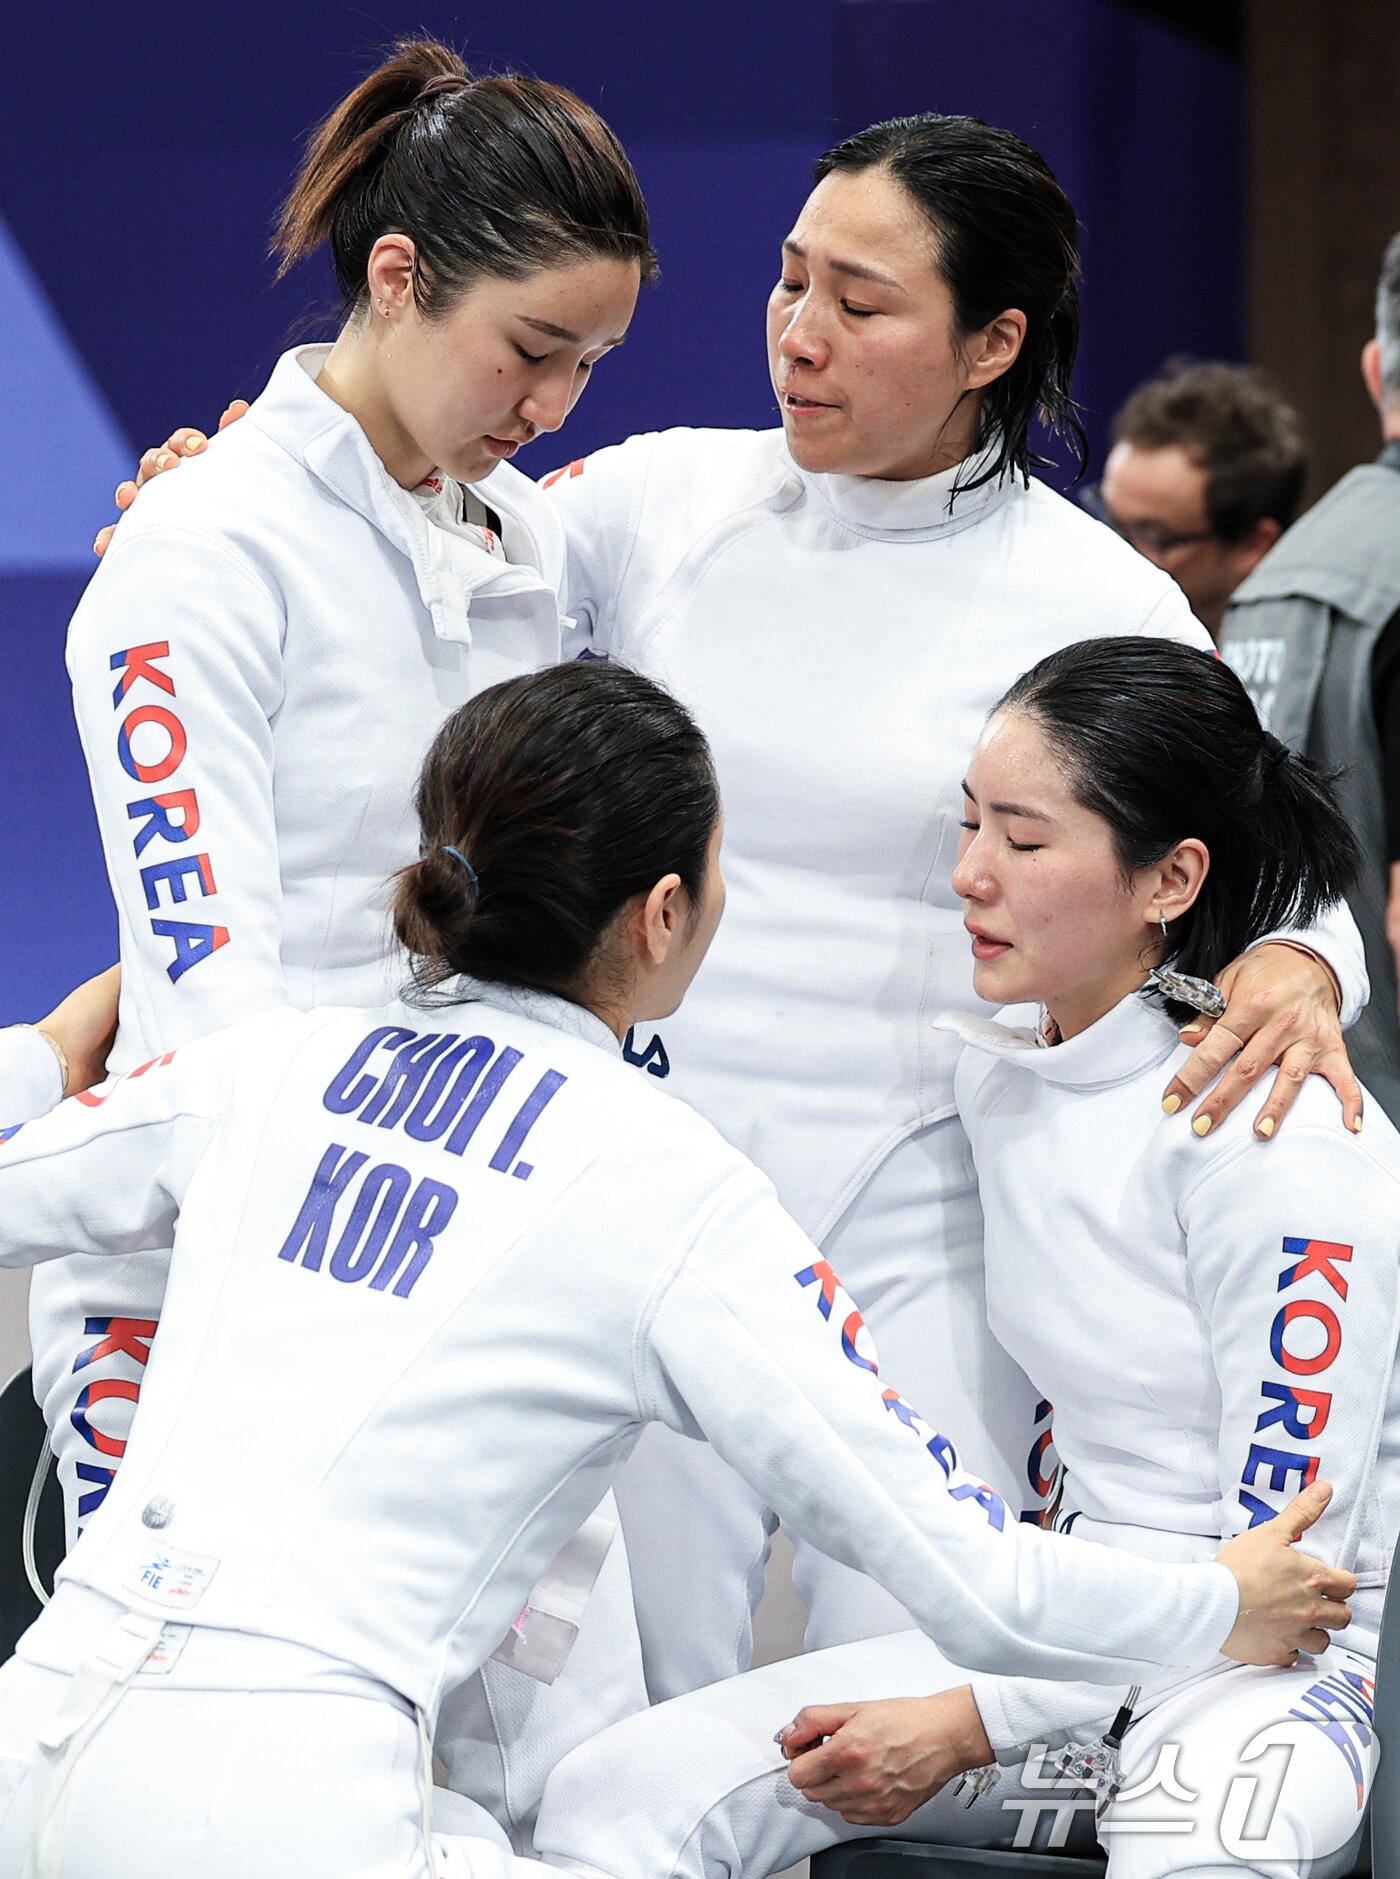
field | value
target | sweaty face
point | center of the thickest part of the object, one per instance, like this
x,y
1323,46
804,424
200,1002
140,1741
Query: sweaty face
x,y
1156,499
1050,917
862,348
510,359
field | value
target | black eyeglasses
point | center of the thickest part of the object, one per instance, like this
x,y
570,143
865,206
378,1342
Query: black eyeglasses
x,y
1144,536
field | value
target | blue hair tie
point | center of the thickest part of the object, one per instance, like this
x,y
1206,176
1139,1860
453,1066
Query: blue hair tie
x,y
458,856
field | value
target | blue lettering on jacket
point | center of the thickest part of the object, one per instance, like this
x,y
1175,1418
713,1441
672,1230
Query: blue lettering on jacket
x,y
390,1230
439,1087
653,1059
1301,1413
192,941
832,1298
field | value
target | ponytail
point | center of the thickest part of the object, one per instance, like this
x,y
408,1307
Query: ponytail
x,y
1163,743
351,142
545,804
490,176
1308,853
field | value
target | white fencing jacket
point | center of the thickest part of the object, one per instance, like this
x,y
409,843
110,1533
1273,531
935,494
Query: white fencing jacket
x,y
841,641
432,1273
259,665
1215,1321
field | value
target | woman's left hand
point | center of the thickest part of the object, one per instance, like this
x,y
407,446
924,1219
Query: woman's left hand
x,y
84,1027
1282,1008
876,1763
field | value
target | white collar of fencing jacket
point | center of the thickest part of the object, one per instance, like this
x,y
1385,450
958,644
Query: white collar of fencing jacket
x,y
1134,1036
456,579
545,1008
922,508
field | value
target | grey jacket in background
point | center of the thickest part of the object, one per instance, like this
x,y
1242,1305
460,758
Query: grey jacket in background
x,y
1301,632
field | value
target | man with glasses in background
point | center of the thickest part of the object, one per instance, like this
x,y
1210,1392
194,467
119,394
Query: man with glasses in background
x,y
1206,472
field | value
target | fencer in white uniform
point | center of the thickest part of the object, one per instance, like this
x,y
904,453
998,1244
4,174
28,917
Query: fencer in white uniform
x,y
841,607
252,768
273,638
1215,1321
841,624
448,1260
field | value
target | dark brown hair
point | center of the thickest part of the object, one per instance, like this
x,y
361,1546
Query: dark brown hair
x,y
488,176
1006,236
563,794
1236,425
1162,742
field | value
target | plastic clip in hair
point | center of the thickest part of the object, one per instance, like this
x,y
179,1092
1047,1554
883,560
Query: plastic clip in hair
x,y
461,859
1200,994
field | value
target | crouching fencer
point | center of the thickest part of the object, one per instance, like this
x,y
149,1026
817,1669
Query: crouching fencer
x,y
434,1268
1214,1317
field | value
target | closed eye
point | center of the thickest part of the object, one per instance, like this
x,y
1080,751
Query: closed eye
x,y
1025,848
532,358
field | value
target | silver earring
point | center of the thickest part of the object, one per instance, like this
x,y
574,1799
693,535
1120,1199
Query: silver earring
x,y
1164,926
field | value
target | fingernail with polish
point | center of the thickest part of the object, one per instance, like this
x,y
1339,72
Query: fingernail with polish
x,y
1356,1125
195,443
1265,1126
1202,1125
781,1735
1171,1103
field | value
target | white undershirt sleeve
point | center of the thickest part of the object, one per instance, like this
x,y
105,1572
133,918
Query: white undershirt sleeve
x,y
1336,940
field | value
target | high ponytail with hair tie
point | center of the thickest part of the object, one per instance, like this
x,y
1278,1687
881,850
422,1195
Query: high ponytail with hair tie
x,y
444,85
498,177
1275,752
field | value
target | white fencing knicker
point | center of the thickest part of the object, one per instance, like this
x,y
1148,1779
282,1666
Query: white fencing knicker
x,y
178,1750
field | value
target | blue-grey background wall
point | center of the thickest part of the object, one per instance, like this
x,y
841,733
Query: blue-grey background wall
x,y
143,152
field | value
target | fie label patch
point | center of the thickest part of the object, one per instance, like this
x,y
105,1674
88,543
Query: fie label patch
x,y
169,1576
